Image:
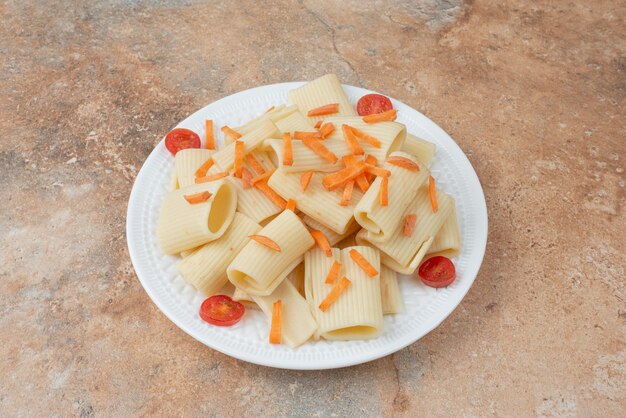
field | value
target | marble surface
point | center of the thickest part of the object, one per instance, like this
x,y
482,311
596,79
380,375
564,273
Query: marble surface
x,y
533,92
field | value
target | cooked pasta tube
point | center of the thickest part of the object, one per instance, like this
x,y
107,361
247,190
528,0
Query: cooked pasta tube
x,y
390,291
332,236
278,113
298,324
319,92
357,313
244,298
404,253
183,226
253,203
257,269
447,242
420,148
187,162
380,221
295,122
305,159
225,157
296,277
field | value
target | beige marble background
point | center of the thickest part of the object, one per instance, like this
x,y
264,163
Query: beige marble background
x,y
533,92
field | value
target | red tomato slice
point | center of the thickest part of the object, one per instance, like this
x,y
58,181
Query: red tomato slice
x,y
221,310
373,103
181,138
437,271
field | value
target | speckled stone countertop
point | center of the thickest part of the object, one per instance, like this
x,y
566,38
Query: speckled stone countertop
x,y
533,91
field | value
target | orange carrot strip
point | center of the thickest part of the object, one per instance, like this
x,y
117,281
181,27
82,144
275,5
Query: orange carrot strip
x,y
262,177
305,179
256,165
318,124
304,135
338,178
334,293
381,117
353,144
362,182
317,147
268,242
403,162
333,273
409,225
270,109
433,194
246,178
210,137
328,109
277,322
287,150
239,154
212,177
291,205
363,263
349,160
201,171
384,191
271,194
234,135
365,137
322,242
347,193
197,198
327,129
370,159
377,171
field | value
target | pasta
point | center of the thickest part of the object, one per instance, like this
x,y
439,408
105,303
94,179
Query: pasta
x,y
253,203
258,270
381,221
420,148
296,277
244,298
389,291
447,241
333,237
274,116
320,92
294,122
225,157
187,162
183,226
305,159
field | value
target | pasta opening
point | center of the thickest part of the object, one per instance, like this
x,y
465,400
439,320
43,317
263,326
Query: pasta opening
x,y
352,333
366,222
221,209
398,142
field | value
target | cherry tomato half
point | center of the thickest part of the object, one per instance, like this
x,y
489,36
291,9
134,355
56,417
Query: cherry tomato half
x,y
181,138
437,271
373,103
221,310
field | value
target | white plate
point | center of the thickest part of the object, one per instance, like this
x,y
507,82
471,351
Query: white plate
x,y
425,308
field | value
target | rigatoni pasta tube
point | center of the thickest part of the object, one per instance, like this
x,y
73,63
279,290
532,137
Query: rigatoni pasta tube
x,y
244,298
187,162
357,313
404,253
380,221
275,115
183,226
205,269
447,241
298,324
253,203
225,157
319,92
304,158
316,201
332,236
295,122
257,269
390,291
420,148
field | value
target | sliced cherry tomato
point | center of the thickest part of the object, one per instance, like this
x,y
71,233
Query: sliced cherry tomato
x,y
373,103
181,138
221,310
437,271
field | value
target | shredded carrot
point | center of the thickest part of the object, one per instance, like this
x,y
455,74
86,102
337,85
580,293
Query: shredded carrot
x,y
377,171
347,193
262,177
305,179
246,178
328,109
338,178
291,205
381,117
433,194
403,162
268,242
201,171
327,129
365,137
239,154
234,135
212,177
363,263
256,165
317,147
197,198
353,144
384,191
370,159
409,225
210,138
287,150
304,135
333,273
349,160
334,294
322,242
361,181
270,109
271,194
318,124
277,322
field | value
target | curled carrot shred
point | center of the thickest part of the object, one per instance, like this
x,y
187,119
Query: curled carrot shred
x,y
201,171
305,135
365,137
347,193
277,322
338,178
317,147
198,197
234,135
287,150
363,263
322,242
212,177
351,141
333,273
384,191
409,225
433,194
255,164
239,154
318,124
291,205
327,129
271,194
403,162
305,179
210,137
334,294
328,109
377,171
268,242
362,182
262,177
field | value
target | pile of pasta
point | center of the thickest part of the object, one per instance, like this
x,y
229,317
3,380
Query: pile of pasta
x,y
346,202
